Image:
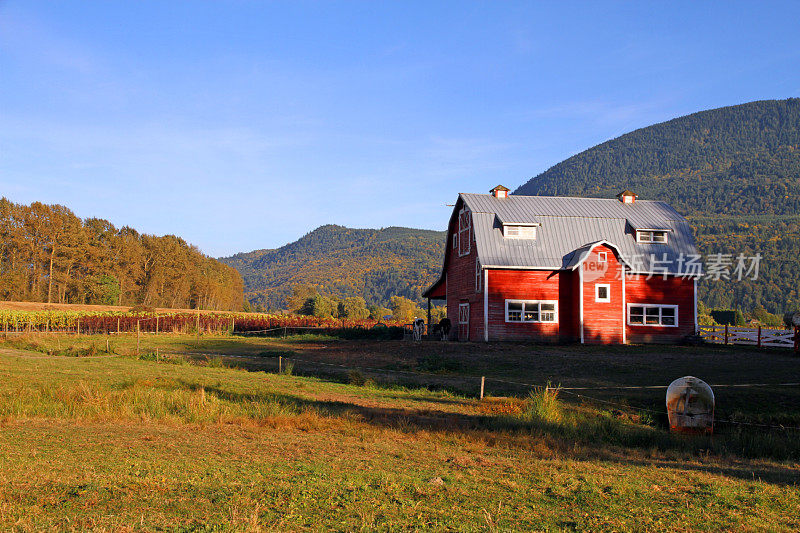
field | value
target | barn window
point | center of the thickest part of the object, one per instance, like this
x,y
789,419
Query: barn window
x,y
516,231
651,236
531,311
478,275
464,227
455,241
602,292
652,315
602,257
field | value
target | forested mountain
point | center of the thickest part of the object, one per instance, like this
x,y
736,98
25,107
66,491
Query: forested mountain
x,y
373,264
733,171
47,254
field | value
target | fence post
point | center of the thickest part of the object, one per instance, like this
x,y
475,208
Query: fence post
x,y
797,340
759,336
117,325
137,337
198,323
108,350
483,382
156,324
280,364
79,327
726,333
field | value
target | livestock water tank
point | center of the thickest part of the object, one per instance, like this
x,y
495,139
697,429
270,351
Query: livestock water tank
x,y
690,406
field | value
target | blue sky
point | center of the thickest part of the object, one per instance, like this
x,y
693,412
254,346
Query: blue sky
x,y
244,125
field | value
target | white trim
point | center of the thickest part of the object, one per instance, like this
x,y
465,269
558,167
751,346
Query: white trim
x,y
529,227
644,320
467,230
602,257
538,303
580,299
588,252
464,305
652,232
486,305
597,298
695,307
624,322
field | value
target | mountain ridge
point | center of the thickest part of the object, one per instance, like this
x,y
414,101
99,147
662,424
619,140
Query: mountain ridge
x,y
733,171
372,263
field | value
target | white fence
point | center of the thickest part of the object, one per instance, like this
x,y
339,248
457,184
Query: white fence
x,y
780,338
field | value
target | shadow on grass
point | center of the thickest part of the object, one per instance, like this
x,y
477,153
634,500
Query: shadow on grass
x,y
582,436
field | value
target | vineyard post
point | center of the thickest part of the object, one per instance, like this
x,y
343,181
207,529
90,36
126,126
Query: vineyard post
x,y
198,323
233,324
137,337
78,327
48,325
483,382
117,325
108,348
156,324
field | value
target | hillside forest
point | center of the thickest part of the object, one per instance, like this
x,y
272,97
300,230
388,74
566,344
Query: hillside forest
x,y
48,254
340,262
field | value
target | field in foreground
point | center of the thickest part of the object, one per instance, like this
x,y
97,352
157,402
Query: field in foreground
x,y
110,442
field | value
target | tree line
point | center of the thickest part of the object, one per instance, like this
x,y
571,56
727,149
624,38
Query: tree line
x,y
308,300
48,254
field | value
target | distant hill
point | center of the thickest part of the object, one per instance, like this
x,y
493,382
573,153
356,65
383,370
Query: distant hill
x,y
373,264
733,171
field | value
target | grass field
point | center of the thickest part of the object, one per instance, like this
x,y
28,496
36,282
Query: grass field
x,y
112,442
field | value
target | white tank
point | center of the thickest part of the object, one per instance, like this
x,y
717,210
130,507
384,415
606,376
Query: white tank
x,y
690,405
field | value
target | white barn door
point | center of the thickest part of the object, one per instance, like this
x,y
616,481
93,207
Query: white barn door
x,y
463,322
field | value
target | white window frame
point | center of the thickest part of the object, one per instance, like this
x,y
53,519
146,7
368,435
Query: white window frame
x,y
602,257
455,240
463,313
464,241
478,275
538,304
597,297
660,308
649,236
520,231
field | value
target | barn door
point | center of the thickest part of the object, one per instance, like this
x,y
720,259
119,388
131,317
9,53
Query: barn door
x,y
463,322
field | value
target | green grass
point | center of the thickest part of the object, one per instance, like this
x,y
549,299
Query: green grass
x,y
117,442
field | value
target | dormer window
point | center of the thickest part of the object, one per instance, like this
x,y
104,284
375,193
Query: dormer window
x,y
651,236
519,231
499,192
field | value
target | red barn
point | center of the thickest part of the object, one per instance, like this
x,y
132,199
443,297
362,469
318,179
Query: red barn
x,y
560,269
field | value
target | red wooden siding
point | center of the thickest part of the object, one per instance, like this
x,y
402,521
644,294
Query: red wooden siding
x,y
657,290
602,321
523,285
461,285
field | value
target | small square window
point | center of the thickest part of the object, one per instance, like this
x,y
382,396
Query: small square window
x,y
602,292
602,257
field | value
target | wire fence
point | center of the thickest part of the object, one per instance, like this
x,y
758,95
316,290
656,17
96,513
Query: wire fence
x,y
462,378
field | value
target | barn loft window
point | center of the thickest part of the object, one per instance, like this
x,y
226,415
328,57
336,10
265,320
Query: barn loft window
x,y
651,236
478,276
455,241
652,315
464,227
531,311
602,257
602,292
519,231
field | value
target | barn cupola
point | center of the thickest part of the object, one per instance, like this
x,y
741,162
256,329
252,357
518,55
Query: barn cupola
x,y
626,197
499,192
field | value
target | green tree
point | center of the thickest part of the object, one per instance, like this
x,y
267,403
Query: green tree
x,y
354,308
404,309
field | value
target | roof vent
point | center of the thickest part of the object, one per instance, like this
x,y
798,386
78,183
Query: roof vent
x,y
626,197
500,192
